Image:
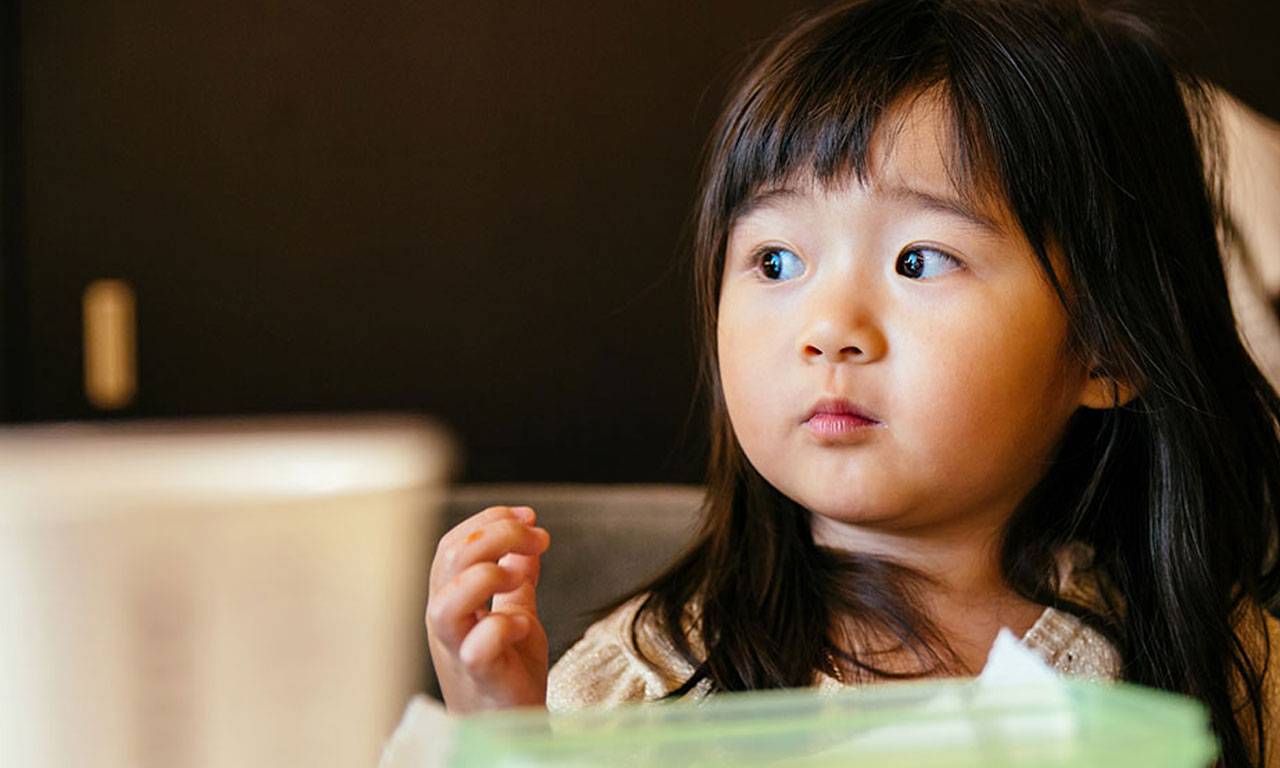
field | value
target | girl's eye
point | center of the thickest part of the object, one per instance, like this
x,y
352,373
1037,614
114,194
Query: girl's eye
x,y
780,264
923,263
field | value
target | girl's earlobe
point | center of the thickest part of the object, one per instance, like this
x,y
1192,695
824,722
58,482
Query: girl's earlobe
x,y
1102,391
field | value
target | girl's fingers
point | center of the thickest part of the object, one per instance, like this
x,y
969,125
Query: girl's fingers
x,y
485,516
529,566
496,540
451,612
521,599
487,643
488,543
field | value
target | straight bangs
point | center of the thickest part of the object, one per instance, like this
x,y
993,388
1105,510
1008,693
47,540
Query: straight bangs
x,y
809,113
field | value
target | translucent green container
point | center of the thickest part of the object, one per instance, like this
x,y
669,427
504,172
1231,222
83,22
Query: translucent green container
x,y
934,723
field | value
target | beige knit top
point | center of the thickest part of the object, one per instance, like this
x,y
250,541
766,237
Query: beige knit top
x,y
605,667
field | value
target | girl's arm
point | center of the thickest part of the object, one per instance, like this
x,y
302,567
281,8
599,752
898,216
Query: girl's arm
x,y
488,657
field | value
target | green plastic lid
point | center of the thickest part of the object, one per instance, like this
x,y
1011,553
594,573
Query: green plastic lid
x,y
933,723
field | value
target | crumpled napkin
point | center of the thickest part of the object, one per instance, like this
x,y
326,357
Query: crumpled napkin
x,y
1009,662
423,737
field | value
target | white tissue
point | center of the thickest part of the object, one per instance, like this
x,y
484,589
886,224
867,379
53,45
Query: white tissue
x,y
422,739
1035,703
1010,662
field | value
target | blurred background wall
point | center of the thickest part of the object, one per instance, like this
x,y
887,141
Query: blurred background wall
x,y
473,210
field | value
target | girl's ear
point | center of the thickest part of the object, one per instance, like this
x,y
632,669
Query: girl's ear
x,y
1102,391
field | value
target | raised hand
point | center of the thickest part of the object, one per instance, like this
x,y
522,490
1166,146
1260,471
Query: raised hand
x,y
488,656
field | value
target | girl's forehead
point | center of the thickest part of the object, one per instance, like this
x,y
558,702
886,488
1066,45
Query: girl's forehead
x,y
914,157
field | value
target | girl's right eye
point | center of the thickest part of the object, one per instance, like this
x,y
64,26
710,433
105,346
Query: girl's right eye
x,y
779,264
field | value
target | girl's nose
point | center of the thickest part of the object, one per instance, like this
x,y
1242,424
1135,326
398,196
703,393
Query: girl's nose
x,y
841,337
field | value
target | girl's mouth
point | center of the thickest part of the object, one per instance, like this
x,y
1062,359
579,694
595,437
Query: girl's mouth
x,y
838,419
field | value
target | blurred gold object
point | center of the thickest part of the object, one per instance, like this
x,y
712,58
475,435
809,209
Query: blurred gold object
x,y
110,346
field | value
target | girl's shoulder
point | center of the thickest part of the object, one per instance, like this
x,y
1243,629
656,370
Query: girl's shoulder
x,y
1065,641
612,665
1069,643
1269,658
1072,648
1259,632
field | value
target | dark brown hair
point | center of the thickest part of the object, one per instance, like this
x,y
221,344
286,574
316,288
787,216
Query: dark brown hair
x,y
1093,140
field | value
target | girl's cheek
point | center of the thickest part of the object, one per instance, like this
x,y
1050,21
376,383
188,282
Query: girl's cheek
x,y
733,340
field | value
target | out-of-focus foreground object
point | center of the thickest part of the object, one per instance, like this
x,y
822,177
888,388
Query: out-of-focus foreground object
x,y
209,594
940,723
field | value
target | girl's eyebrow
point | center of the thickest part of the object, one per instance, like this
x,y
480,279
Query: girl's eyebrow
x,y
930,201
763,199
953,206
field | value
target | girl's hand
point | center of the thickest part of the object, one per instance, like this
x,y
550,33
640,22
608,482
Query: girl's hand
x,y
488,657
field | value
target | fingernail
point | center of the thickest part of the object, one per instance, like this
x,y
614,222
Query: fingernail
x,y
524,513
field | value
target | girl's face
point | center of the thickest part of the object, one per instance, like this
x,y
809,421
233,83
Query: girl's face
x,y
899,301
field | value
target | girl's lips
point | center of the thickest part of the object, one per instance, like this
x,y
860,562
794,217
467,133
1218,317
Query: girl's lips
x,y
838,425
839,406
838,420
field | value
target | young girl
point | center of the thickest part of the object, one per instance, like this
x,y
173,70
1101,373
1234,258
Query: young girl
x,y
972,366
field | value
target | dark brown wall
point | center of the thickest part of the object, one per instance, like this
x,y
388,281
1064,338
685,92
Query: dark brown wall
x,y
468,209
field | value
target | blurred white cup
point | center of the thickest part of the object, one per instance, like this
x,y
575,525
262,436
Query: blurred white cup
x,y
213,594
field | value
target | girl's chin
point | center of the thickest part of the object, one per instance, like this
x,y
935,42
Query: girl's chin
x,y
849,511
870,515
